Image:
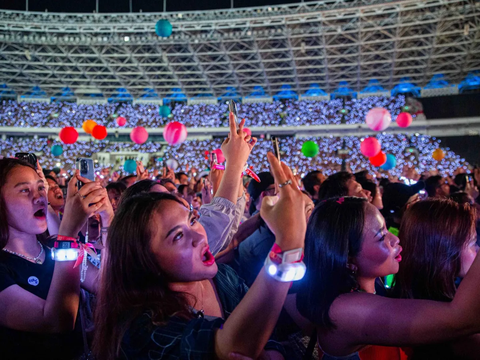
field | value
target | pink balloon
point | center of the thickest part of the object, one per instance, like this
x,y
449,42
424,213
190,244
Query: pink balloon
x,y
121,121
175,133
247,131
139,135
370,147
378,119
404,119
220,157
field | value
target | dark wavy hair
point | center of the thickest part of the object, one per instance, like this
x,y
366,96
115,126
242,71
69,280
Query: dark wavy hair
x,y
6,166
335,185
132,281
142,186
334,233
433,233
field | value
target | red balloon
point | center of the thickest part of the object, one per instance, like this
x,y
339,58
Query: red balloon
x,y
175,133
99,132
220,157
139,135
370,147
121,121
247,131
404,119
379,159
68,135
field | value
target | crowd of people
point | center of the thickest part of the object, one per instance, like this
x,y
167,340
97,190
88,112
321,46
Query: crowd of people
x,y
219,265
277,113
192,152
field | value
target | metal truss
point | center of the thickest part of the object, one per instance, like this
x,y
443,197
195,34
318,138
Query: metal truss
x,y
321,42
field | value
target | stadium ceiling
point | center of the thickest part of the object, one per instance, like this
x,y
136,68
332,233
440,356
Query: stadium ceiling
x,y
322,42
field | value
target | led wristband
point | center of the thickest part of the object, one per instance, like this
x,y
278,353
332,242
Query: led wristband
x,y
65,249
285,266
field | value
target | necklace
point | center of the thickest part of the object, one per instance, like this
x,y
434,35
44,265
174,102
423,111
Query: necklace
x,y
200,313
35,259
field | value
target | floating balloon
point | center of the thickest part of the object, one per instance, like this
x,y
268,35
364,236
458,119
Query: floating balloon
x,y
164,111
175,133
121,121
378,119
370,147
379,159
390,163
404,119
220,157
163,28
99,132
56,150
68,135
172,164
310,149
247,131
139,135
129,166
88,126
438,154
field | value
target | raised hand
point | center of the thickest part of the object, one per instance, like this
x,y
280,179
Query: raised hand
x,y
81,204
237,147
142,174
285,214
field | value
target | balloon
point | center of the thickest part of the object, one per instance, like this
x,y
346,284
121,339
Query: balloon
x,y
56,150
175,133
164,111
99,132
88,126
121,121
370,147
220,157
379,159
378,119
404,119
247,131
163,28
310,149
438,154
139,135
130,166
172,164
68,135
390,163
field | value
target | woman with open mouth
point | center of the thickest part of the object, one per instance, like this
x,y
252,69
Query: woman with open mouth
x,y
161,293
39,297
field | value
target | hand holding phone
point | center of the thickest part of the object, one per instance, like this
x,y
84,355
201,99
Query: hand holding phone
x,y
86,169
276,148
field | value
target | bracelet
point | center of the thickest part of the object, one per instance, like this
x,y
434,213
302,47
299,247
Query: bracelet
x,y
65,248
285,266
285,272
104,229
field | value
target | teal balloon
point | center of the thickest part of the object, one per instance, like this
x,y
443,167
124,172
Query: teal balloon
x,y
163,28
130,166
57,150
390,163
164,111
310,149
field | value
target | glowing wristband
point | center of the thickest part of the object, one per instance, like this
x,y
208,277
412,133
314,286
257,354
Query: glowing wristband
x,y
65,249
285,272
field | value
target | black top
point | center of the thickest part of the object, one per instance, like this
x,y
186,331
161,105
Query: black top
x,y
36,279
187,339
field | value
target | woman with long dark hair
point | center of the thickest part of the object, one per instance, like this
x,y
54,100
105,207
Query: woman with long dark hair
x,y
347,247
439,240
161,293
39,297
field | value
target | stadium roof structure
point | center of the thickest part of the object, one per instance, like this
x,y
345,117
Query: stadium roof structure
x,y
324,42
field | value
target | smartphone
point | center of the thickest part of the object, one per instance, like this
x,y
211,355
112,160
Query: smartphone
x,y
213,157
276,148
31,158
469,178
232,107
85,165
